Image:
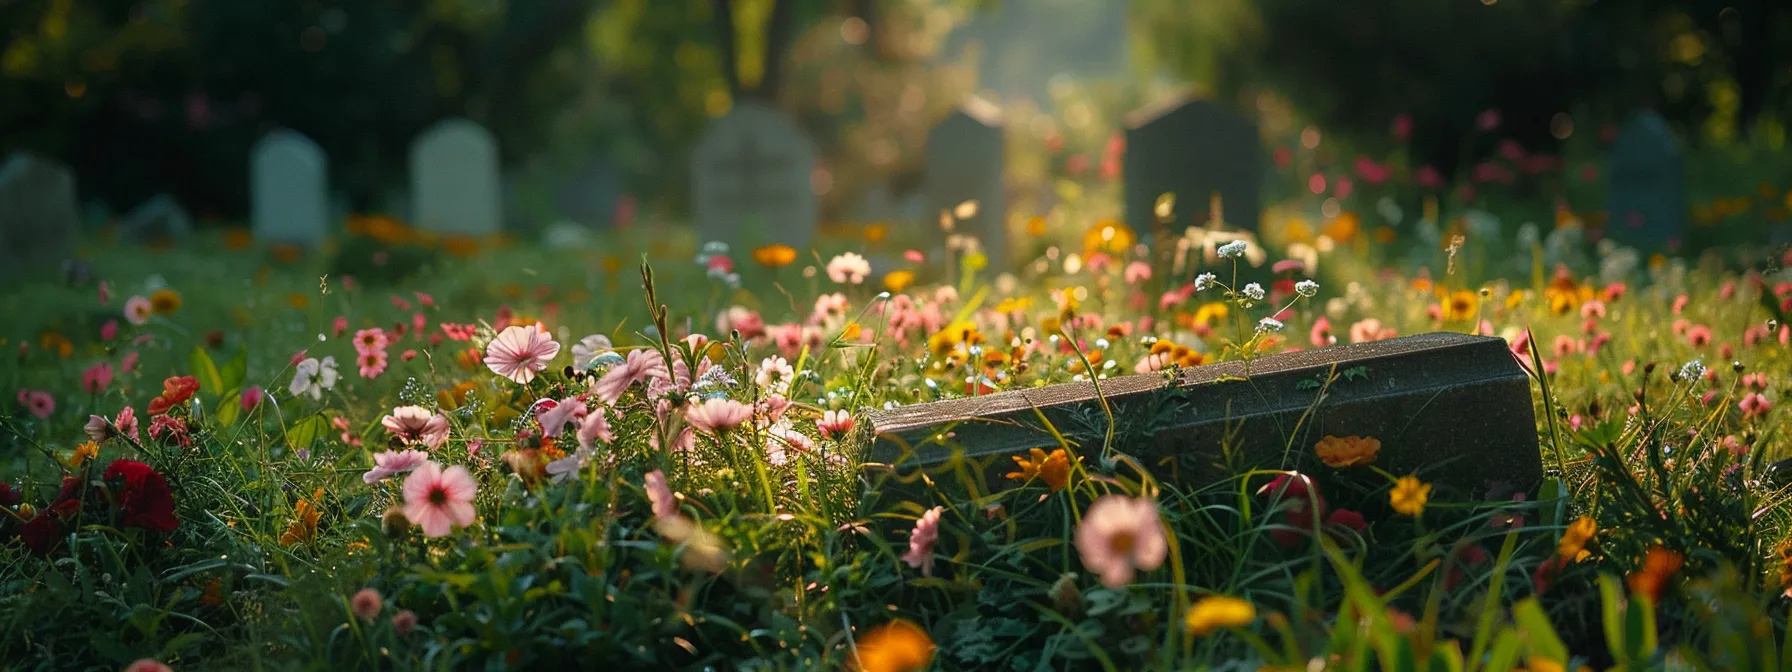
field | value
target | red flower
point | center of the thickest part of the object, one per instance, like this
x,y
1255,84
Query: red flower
x,y
9,496
176,390
41,534
1347,518
142,497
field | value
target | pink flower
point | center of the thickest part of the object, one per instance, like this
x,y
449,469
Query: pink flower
x,y
137,310
38,402
173,428
147,665
252,397
1120,535
129,362
922,539
97,378
109,330
390,462
665,504
520,351
717,415
372,364
553,415
1427,177
849,268
640,365
403,622
126,423
835,424
105,293
1369,330
1755,405
369,340
1137,272
1401,128
438,500
339,325
737,318
417,425
1321,334
1698,335
366,604
595,427
96,428
1487,120
781,441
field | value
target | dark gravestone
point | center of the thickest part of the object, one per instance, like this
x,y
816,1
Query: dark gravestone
x,y
751,180
1193,149
591,195
158,220
964,163
1646,206
38,216
1453,407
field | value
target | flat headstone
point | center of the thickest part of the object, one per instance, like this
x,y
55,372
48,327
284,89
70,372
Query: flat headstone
x,y
964,162
1194,149
1453,407
750,180
157,220
289,200
38,212
1646,203
455,188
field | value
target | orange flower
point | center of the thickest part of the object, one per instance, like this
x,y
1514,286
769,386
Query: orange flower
x,y
55,342
83,454
304,522
896,281
298,301
1053,468
164,301
876,232
460,246
286,253
1036,224
1343,228
775,255
897,646
238,239
455,397
1110,236
1658,566
1573,545
1348,451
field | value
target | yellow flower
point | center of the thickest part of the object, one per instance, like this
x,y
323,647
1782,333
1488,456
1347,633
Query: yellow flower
x,y
164,301
1343,228
896,281
1409,495
775,255
304,522
1541,664
1110,236
1574,539
897,646
1460,305
1013,304
83,453
1347,451
875,232
298,301
1208,313
1053,468
1036,224
53,341
1218,612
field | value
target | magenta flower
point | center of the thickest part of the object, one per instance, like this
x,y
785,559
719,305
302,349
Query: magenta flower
x,y
109,330
97,378
922,539
392,462
438,500
372,363
717,415
252,397
1755,405
1120,535
137,310
126,423
520,351
417,425
38,402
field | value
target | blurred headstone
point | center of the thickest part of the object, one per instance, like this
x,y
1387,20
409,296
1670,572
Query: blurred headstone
x,y
1647,201
289,189
157,220
590,196
750,180
964,163
1193,149
565,235
455,187
38,215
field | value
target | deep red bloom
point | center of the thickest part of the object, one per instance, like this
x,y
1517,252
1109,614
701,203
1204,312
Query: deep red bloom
x,y
142,497
9,496
41,534
1347,518
176,390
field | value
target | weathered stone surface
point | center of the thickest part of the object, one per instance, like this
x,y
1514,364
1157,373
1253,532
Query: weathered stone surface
x,y
455,185
38,217
158,220
750,180
1194,149
289,200
965,160
1453,407
1646,206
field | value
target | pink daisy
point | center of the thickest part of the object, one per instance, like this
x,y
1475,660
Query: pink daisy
x,y
520,351
438,500
369,340
1120,535
137,310
393,462
835,424
717,415
922,539
372,363
416,424
640,365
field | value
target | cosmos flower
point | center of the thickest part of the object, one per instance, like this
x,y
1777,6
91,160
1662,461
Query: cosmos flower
x,y
1120,535
437,499
520,351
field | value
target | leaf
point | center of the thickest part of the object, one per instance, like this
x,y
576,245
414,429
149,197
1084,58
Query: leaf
x,y
1356,372
235,372
1308,384
229,407
206,371
1540,634
304,432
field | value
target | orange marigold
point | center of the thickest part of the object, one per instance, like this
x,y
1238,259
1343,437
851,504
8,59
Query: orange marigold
x,y
897,646
1053,468
1349,451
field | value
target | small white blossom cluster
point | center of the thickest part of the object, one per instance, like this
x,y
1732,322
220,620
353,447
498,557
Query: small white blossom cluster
x,y
1253,291
1692,371
1232,250
1306,288
1205,281
1269,325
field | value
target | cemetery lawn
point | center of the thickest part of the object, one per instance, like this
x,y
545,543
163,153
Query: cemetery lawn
x,y
409,453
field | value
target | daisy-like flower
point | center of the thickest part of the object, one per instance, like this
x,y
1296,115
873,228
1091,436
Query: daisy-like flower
x,y
781,441
371,363
417,425
1205,281
586,351
137,310
1409,495
520,351
1754,405
849,268
392,462
922,539
437,499
1269,325
1218,612
665,504
774,374
368,340
835,424
39,402
311,377
640,365
97,429
1340,452
717,415
1120,535
595,427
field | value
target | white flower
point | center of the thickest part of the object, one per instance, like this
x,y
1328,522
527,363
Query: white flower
x,y
775,374
1204,281
586,351
1692,371
848,268
1232,249
1268,325
312,377
1306,288
1254,291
